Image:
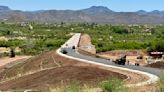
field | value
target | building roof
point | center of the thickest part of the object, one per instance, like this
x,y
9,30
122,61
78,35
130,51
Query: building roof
x,y
156,53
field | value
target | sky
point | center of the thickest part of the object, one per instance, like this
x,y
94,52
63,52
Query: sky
x,y
116,5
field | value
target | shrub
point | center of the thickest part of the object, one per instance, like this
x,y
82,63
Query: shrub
x,y
161,83
160,90
112,85
4,44
73,87
162,80
53,43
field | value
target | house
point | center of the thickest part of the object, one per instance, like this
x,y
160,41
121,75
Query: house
x,y
156,54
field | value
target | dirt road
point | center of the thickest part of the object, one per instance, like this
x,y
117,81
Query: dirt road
x,y
6,60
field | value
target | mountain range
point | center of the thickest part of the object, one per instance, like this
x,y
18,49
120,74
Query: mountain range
x,y
98,14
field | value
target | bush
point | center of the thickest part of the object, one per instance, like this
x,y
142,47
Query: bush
x,y
160,90
30,51
73,87
4,54
161,83
157,46
4,44
120,30
53,43
112,85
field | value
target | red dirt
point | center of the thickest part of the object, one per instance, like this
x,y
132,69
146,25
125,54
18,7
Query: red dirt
x,y
60,75
125,52
157,65
131,56
70,70
86,45
7,60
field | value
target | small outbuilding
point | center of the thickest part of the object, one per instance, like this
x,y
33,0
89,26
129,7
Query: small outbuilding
x,y
156,54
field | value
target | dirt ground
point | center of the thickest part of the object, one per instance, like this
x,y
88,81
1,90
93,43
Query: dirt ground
x,y
125,52
157,65
133,77
6,60
86,45
84,75
131,56
65,70
147,88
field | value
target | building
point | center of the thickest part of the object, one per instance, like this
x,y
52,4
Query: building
x,y
156,54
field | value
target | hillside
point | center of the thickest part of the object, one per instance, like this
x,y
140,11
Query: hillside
x,y
49,70
98,14
157,65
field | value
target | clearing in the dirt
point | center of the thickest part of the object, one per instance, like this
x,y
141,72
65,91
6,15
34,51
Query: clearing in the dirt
x,y
50,69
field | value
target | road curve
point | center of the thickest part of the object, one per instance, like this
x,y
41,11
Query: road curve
x,y
152,73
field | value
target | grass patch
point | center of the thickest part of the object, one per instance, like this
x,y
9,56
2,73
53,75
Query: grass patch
x,y
161,84
112,85
73,87
109,85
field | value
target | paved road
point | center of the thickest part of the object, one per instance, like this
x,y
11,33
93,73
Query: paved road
x,y
73,53
73,41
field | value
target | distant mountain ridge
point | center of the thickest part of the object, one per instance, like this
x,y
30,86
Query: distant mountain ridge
x,y
96,9
4,8
98,14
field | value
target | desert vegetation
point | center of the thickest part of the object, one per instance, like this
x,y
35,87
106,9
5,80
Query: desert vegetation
x,y
105,37
109,85
41,38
